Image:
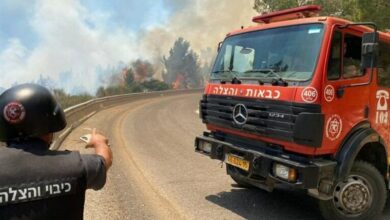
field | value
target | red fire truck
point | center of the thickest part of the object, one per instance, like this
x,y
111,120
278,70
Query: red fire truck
x,y
302,100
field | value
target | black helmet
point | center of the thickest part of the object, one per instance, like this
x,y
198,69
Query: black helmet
x,y
29,110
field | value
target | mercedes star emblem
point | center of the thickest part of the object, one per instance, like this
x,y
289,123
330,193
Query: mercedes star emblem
x,y
240,114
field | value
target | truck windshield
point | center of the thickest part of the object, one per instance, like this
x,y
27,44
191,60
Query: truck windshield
x,y
289,53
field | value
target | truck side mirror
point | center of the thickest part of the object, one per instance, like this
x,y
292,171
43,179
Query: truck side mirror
x,y
369,50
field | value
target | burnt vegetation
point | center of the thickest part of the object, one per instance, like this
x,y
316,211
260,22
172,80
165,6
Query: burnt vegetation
x,y
180,69
137,77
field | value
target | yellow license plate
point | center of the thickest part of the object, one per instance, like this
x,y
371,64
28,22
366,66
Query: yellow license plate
x,y
237,162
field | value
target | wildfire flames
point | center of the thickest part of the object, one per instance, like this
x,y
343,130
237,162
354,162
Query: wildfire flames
x,y
177,84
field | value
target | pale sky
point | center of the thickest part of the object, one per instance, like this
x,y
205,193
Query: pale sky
x,y
78,43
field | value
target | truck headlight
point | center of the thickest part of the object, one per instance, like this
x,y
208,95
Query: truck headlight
x,y
205,146
285,172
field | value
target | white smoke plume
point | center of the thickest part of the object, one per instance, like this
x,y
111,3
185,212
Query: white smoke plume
x,y
71,53
203,23
79,52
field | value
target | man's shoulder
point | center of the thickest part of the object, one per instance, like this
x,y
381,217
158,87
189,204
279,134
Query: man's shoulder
x,y
24,166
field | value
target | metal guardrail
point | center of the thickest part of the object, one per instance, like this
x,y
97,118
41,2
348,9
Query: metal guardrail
x,y
77,114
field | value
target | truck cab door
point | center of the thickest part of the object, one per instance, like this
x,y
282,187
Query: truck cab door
x,y
344,105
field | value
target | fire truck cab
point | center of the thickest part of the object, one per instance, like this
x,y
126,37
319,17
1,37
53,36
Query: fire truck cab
x,y
302,100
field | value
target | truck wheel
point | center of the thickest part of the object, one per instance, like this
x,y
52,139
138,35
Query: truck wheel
x,y
235,175
362,195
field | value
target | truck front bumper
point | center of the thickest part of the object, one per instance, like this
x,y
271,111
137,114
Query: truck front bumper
x,y
261,170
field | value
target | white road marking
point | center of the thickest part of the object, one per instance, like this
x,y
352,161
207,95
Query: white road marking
x,y
197,111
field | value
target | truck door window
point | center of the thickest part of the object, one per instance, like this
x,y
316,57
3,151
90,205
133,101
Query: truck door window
x,y
334,63
384,65
352,56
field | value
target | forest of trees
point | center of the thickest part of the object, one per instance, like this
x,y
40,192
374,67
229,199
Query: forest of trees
x,y
181,70
137,77
356,10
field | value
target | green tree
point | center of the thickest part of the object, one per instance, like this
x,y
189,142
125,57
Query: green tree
x,y
129,77
155,85
101,92
377,11
182,66
355,10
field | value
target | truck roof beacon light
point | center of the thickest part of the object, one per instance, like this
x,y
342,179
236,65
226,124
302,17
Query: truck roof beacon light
x,y
288,14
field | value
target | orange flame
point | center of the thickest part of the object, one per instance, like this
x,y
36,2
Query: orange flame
x,y
177,84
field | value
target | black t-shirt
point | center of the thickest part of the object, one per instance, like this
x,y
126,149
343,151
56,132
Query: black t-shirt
x,y
37,183
94,166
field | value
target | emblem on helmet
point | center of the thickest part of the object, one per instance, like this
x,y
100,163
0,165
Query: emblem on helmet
x,y
14,112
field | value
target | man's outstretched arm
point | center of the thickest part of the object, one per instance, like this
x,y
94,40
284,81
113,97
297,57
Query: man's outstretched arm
x,y
100,144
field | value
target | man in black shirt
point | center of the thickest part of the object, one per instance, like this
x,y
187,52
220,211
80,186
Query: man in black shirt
x,y
35,182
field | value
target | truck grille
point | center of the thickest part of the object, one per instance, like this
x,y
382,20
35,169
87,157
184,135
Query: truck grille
x,y
269,118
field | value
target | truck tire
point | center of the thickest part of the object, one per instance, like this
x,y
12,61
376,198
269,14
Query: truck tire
x,y
362,195
235,175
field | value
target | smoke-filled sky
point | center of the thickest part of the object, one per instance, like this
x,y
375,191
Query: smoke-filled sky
x,y
79,43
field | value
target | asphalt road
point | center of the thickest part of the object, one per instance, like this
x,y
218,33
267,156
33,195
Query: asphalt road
x,y
157,175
